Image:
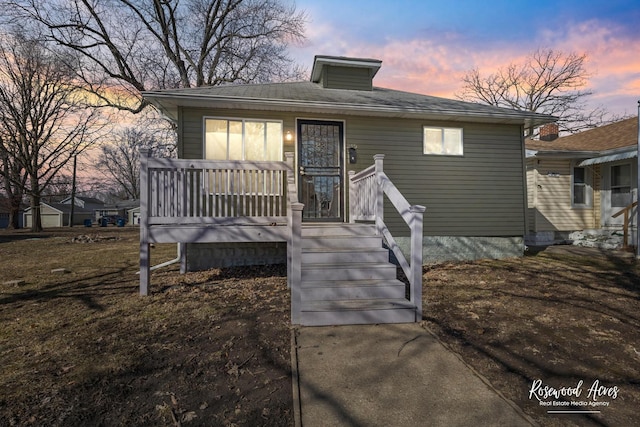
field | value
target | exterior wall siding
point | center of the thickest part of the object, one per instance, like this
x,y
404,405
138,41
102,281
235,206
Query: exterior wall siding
x,y
532,194
553,210
478,194
347,78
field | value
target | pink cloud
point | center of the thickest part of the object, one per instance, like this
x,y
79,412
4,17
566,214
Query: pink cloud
x,y
436,68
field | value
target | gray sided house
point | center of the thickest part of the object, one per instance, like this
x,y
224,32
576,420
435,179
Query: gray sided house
x,y
58,214
463,162
583,182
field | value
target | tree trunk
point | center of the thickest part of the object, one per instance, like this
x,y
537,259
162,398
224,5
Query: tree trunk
x,y
36,219
14,212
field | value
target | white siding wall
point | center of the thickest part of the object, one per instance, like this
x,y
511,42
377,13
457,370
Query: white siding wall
x,y
550,183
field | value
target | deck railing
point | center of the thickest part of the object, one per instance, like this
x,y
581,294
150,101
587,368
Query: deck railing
x,y
196,191
367,189
183,194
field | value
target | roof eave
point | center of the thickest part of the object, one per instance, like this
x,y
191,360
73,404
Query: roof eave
x,y
583,153
169,104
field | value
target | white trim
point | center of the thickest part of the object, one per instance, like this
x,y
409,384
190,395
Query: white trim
x,y
319,61
46,204
442,129
588,180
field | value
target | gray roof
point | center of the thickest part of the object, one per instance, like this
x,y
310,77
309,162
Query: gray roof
x,y
311,97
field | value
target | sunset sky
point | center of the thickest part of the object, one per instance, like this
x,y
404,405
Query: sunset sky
x,y
427,46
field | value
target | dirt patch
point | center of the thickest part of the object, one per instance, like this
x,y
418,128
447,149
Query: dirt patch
x,y
567,317
212,348
82,348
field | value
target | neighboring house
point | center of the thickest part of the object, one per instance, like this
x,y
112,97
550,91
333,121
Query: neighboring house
x,y
463,161
133,215
58,214
118,209
86,204
581,181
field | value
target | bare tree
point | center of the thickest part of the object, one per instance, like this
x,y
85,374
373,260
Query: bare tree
x,y
119,160
548,82
14,180
124,47
43,117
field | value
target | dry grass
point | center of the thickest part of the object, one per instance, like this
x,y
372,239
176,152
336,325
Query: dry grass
x,y
562,316
82,348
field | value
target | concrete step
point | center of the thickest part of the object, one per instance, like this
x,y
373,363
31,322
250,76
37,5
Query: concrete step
x,y
321,313
355,256
324,290
341,242
349,271
332,229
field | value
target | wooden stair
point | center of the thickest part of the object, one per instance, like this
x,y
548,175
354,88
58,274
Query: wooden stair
x,y
347,278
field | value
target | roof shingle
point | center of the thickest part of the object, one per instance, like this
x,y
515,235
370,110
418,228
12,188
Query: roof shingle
x,y
609,137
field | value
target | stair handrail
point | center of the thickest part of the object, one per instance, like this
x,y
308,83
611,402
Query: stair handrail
x,y
625,227
413,216
294,245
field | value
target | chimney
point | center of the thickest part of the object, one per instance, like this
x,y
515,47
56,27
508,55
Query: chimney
x,y
549,132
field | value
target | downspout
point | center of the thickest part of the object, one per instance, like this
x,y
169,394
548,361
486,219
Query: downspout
x,y
638,189
166,263
525,202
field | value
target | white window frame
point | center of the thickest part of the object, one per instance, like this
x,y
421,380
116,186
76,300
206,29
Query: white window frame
x,y
442,141
630,186
586,184
244,120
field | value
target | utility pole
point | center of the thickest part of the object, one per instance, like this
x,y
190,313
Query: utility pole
x,y
73,191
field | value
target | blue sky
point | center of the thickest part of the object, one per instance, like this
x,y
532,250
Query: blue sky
x,y
427,46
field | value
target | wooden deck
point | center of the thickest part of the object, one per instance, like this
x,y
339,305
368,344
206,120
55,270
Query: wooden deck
x,y
333,278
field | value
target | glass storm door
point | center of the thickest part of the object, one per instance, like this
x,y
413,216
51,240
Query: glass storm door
x,y
320,163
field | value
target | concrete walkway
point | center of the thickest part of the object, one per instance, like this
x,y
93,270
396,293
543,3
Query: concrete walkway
x,y
389,375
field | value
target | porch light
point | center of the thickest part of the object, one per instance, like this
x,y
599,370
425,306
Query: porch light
x,y
288,136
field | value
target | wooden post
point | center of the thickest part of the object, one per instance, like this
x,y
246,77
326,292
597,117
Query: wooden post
x,y
379,211
352,197
145,258
625,227
296,262
182,254
417,213
289,156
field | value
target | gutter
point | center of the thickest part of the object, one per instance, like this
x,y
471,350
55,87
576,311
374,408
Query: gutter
x,y
362,109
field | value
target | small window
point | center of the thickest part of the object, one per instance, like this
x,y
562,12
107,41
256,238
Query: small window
x,y
442,141
581,191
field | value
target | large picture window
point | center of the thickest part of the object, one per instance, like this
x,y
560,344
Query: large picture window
x,y
442,141
240,139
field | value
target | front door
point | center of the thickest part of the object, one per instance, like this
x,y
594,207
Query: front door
x,y
321,169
